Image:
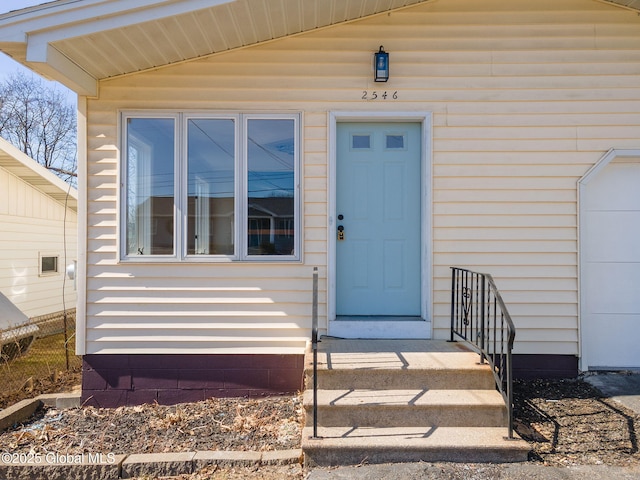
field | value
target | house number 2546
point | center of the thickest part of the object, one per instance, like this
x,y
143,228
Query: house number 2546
x,y
366,95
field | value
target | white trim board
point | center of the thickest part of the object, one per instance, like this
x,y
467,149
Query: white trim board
x,y
383,329
81,270
380,329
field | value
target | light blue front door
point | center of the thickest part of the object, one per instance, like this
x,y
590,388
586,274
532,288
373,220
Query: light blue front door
x,y
378,208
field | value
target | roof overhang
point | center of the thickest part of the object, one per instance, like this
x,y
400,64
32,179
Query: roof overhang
x,y
80,42
30,171
630,4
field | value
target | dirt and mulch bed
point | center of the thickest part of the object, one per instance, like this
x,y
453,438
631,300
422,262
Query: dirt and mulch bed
x,y
216,424
260,424
566,422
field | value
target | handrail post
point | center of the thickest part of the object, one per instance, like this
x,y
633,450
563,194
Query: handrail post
x,y
453,301
510,393
483,319
314,344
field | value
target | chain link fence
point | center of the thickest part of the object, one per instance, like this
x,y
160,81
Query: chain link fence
x,y
38,357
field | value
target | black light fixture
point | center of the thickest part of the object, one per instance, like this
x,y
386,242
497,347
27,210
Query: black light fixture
x,y
381,65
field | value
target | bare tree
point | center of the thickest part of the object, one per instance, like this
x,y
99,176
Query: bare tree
x,y
40,121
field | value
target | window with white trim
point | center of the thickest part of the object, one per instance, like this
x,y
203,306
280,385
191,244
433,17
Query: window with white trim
x,y
48,264
210,187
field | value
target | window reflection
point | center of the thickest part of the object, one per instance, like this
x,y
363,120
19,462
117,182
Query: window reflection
x,y
150,186
271,194
202,221
211,183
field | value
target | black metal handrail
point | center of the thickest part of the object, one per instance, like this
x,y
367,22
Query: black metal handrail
x,y
314,346
480,317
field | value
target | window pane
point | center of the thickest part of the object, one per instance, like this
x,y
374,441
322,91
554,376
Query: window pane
x,y
361,141
150,186
271,159
210,159
395,141
49,265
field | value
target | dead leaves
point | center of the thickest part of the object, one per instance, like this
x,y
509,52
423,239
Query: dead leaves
x,y
214,424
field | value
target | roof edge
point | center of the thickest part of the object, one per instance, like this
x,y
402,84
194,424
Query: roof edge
x,y
25,160
617,3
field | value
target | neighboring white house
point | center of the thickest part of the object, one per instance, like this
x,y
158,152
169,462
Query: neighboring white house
x,y
38,235
223,143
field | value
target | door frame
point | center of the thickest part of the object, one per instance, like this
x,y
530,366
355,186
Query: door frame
x,y
591,174
426,261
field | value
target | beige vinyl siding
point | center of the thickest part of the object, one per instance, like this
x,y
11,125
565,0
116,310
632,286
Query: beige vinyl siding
x,y
526,96
32,224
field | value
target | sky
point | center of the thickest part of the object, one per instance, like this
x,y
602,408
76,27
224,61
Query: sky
x,y
7,64
9,5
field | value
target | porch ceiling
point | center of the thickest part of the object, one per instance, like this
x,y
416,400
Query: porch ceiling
x,y
79,42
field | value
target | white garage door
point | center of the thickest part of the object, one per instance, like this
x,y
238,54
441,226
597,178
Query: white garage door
x,y
610,242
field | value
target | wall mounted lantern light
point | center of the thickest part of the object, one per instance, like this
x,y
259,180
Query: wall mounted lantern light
x,y
381,65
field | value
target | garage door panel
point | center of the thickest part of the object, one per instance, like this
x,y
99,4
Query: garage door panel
x,y
613,236
610,254
610,343
613,288
614,188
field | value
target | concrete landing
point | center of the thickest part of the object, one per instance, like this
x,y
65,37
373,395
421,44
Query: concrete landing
x,y
423,364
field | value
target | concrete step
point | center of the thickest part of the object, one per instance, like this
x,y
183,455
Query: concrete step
x,y
398,364
354,446
407,408
405,401
434,379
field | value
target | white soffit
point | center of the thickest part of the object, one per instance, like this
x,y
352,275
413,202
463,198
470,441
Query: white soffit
x,y
79,42
632,4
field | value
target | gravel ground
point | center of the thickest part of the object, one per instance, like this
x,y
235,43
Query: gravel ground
x,y
566,422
